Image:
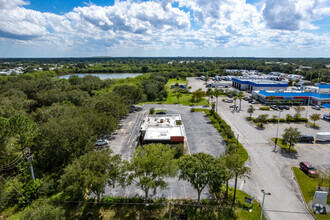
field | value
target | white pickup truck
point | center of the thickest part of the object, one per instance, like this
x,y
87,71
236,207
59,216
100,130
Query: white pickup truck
x,y
322,136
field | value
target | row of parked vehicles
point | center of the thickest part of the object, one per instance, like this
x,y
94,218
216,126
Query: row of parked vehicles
x,y
321,136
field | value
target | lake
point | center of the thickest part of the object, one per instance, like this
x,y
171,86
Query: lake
x,y
103,75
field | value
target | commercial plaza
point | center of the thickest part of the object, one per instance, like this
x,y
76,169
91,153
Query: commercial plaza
x,y
291,97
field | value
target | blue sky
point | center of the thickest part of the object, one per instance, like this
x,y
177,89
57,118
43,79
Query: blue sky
x,y
222,28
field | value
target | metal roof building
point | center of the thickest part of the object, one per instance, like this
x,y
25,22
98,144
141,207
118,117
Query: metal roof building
x,y
251,84
286,97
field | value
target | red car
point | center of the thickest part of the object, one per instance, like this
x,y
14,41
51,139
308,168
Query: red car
x,y
308,169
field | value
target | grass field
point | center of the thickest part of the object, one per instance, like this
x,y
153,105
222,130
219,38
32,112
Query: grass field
x,y
172,99
308,187
284,146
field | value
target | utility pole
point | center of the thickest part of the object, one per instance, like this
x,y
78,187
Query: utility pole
x,y
278,125
307,108
30,157
263,201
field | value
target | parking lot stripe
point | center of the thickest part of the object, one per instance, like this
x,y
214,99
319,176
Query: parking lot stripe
x,y
323,147
314,148
271,125
298,145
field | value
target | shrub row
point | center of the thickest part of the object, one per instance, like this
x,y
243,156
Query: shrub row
x,y
282,120
264,108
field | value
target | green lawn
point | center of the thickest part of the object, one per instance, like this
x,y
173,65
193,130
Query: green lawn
x,y
172,99
284,146
308,187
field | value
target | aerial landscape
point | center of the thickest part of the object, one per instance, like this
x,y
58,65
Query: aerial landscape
x,y
165,109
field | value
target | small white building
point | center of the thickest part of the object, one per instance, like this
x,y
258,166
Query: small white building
x,y
167,129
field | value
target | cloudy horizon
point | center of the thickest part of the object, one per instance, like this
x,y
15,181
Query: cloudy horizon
x,y
165,28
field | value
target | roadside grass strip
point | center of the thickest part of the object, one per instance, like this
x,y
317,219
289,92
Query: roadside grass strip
x,y
308,187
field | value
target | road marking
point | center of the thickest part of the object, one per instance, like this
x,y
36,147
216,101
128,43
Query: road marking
x,y
298,145
323,147
271,125
315,149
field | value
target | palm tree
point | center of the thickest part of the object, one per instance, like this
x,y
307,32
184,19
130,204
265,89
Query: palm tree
x,y
209,93
240,96
315,117
250,110
216,93
178,95
271,98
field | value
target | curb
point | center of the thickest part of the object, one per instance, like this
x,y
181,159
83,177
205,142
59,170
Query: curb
x,y
294,175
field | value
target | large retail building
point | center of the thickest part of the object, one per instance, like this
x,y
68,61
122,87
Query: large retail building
x,y
252,84
272,97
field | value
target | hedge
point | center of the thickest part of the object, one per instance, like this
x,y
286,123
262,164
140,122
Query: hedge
x,y
264,108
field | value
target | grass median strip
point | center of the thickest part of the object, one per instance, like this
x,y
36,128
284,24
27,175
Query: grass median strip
x,y
308,187
284,146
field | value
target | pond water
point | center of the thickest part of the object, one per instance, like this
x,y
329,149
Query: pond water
x,y
103,75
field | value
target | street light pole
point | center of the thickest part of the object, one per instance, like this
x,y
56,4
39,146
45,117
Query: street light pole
x,y
307,108
263,201
278,125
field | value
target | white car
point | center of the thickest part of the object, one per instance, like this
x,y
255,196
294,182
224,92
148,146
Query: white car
x,y
316,107
233,106
326,117
101,142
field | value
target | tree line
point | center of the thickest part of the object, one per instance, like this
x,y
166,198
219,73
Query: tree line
x,y
57,121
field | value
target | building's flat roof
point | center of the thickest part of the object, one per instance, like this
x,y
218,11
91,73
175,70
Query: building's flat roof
x,y
260,82
161,127
295,94
327,86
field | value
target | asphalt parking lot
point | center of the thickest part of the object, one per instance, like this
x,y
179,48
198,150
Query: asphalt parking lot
x,y
201,135
318,153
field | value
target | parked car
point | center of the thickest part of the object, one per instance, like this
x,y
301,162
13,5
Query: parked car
x,y
101,142
229,101
254,102
306,138
316,107
281,107
308,169
233,106
160,113
326,117
275,107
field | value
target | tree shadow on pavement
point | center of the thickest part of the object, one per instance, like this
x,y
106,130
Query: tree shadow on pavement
x,y
291,155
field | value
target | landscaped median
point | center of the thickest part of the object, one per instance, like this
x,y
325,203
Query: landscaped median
x,y
308,186
225,131
284,146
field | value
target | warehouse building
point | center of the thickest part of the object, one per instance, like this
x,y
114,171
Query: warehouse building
x,y
166,129
291,97
252,84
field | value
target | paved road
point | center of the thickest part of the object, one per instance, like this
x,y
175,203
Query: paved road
x,y
270,171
